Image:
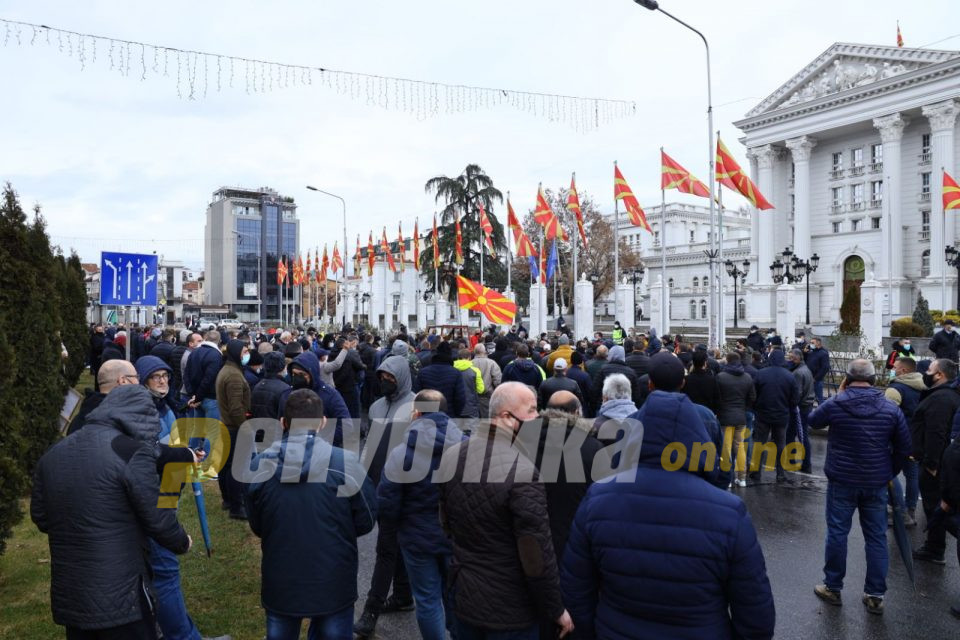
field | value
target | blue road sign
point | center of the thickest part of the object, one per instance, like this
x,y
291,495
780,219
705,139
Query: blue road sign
x,y
128,279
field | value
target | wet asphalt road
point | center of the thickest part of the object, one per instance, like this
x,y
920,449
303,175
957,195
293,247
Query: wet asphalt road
x,y
789,519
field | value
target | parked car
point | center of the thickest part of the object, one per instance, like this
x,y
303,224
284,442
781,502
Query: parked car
x,y
206,324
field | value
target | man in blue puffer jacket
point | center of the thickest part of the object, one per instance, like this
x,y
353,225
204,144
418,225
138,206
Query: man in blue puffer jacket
x,y
664,554
408,497
868,443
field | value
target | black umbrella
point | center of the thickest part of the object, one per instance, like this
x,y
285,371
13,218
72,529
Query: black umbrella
x,y
900,533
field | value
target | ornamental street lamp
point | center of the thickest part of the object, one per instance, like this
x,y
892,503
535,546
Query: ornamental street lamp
x,y
953,259
790,268
737,274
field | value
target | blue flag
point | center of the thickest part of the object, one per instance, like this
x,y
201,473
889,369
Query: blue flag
x,y
534,270
552,261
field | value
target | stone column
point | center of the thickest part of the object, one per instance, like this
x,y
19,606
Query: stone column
x,y
421,313
891,132
538,309
942,117
583,308
625,308
871,313
786,319
659,301
766,247
754,221
801,149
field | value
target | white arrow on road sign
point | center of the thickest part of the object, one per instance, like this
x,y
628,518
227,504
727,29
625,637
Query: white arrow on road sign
x,y
145,279
129,278
116,279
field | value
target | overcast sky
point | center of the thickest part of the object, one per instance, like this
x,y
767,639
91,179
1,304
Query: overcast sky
x,y
122,164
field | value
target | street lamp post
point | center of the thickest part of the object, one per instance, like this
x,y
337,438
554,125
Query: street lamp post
x,y
789,268
345,261
636,276
734,272
653,5
953,260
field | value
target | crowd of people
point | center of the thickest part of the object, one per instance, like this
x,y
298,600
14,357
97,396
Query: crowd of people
x,y
520,486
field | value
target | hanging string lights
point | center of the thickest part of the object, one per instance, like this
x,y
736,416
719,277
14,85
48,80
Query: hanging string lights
x,y
418,98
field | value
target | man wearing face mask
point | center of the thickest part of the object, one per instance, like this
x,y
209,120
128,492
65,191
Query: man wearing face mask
x,y
304,373
233,402
930,429
946,343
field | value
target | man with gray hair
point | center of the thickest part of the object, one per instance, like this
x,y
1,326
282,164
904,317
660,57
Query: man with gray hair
x,y
490,373
617,404
930,430
867,445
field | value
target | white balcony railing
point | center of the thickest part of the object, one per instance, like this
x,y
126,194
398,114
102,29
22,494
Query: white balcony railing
x,y
836,174
856,171
857,206
876,203
836,208
924,196
925,233
925,157
876,167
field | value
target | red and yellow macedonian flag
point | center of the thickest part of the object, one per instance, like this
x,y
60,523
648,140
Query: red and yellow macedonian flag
x,y
951,193
573,205
458,245
281,271
730,175
356,258
386,251
322,271
495,306
673,176
621,191
547,219
416,245
298,272
402,245
371,255
487,228
524,247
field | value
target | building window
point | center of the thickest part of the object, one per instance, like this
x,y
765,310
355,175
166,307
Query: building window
x,y
854,225
396,302
856,157
670,283
925,183
925,143
876,193
838,161
703,308
876,153
856,196
925,263
696,282
836,199
793,204
837,227
741,309
693,235
656,238
874,223
924,225
693,309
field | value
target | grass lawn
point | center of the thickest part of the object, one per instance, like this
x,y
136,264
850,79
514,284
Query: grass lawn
x,y
222,592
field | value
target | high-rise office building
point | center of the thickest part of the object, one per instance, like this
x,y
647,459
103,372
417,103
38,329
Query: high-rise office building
x,y
247,232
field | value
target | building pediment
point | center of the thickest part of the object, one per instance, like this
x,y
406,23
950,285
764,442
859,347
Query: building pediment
x,y
848,67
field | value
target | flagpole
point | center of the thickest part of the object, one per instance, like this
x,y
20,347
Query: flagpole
x,y
663,259
481,252
616,245
722,324
509,255
576,232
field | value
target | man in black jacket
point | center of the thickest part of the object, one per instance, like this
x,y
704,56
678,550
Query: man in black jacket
x,y
100,576
930,432
265,399
737,395
96,350
310,560
778,394
615,364
950,498
637,359
946,343
559,382
701,385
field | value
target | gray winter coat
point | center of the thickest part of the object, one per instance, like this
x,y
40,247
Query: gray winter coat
x,y
805,379
95,495
384,434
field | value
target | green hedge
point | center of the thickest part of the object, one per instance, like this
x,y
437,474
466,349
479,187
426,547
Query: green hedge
x,y
42,302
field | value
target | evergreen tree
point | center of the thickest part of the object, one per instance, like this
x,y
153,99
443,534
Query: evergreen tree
x,y
32,382
73,309
922,317
850,311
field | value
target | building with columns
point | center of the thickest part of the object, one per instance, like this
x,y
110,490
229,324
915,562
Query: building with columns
x,y
850,150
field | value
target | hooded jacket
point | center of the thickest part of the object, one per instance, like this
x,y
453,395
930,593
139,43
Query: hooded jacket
x,y
265,398
233,392
868,439
473,386
737,395
904,391
95,495
777,391
664,554
490,372
564,351
441,376
389,416
308,533
415,506
526,371
334,406
946,344
146,366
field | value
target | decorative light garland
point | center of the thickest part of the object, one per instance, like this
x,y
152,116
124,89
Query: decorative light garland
x,y
420,98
